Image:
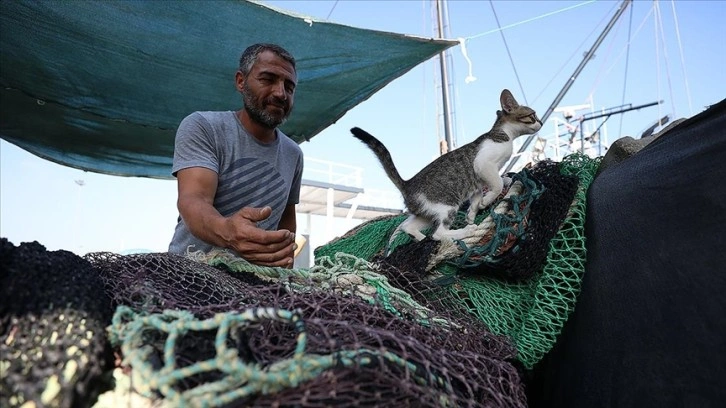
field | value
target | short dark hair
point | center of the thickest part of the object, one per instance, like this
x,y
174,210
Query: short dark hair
x,y
249,56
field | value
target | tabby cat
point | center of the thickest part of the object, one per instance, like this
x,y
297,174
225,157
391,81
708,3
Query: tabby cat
x,y
434,195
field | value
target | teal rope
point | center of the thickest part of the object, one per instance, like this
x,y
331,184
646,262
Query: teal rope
x,y
504,224
344,273
130,331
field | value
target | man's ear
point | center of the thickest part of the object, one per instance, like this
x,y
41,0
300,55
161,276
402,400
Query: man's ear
x,y
239,80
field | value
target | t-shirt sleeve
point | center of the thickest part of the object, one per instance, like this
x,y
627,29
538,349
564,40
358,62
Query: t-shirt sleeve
x,y
195,145
294,197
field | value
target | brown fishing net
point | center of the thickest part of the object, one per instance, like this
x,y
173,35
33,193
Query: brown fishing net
x,y
343,349
377,321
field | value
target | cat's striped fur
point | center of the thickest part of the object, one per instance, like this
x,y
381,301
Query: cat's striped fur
x,y
434,195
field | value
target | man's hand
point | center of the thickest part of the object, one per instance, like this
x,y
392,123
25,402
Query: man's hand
x,y
256,245
239,232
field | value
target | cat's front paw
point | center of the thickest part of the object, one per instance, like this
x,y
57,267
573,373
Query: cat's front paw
x,y
507,181
484,204
473,210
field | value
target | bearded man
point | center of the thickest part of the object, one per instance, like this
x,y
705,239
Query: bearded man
x,y
238,175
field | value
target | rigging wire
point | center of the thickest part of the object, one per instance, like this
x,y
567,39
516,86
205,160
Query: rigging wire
x,y
463,40
599,76
452,70
657,55
551,13
665,58
454,92
439,85
444,59
425,81
331,10
683,62
627,60
569,59
511,60
634,36
637,31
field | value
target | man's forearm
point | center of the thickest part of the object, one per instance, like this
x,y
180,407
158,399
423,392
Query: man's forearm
x,y
204,222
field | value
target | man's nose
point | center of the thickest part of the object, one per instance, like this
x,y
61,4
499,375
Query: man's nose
x,y
279,90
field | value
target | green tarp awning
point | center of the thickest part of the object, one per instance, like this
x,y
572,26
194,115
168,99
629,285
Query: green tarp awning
x,y
102,85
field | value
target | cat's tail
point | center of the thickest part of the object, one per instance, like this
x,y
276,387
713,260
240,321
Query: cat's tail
x,y
382,153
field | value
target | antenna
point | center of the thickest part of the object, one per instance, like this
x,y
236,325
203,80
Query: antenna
x,y
607,113
569,111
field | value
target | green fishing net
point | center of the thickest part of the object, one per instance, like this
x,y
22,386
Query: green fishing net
x,y
523,287
379,320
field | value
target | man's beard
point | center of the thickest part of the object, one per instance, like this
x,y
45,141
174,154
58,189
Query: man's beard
x,y
256,109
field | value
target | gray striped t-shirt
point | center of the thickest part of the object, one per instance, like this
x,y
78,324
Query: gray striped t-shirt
x,y
251,173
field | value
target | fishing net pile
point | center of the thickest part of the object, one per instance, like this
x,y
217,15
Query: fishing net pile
x,y
53,317
263,337
521,269
379,320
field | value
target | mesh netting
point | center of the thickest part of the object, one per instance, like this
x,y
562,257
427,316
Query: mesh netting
x,y
338,334
542,264
53,315
494,233
539,225
376,232
379,320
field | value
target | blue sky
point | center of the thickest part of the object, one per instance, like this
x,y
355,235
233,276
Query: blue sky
x,y
683,64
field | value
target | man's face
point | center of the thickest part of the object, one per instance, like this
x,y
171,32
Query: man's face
x,y
269,89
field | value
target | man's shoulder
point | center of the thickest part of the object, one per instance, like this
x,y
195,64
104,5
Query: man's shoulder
x,y
211,116
288,142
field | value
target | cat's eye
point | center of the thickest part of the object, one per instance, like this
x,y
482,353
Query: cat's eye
x,y
531,118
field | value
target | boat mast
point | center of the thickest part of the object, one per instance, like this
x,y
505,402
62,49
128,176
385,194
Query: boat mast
x,y
571,79
448,132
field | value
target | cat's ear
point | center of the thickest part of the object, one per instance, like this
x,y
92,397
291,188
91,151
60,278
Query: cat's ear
x,y
507,100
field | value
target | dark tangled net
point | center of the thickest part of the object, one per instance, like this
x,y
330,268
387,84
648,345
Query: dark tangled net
x,y
459,364
53,316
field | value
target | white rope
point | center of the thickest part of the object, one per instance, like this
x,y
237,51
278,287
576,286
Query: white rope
x,y
470,77
449,249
